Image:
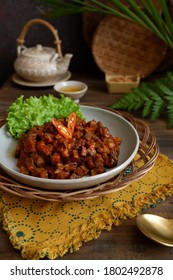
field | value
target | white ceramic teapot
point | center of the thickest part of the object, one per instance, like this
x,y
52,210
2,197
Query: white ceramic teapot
x,y
37,64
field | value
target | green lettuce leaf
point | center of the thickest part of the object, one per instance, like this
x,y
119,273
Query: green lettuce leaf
x,y
24,114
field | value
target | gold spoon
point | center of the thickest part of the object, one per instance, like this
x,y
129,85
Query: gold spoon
x,y
156,228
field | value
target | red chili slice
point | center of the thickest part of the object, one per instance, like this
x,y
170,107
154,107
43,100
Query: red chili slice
x,y
71,122
62,129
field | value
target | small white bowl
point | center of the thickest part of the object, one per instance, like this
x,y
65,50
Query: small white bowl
x,y
73,89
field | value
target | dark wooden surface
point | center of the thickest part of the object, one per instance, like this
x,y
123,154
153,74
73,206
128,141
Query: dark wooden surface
x,y
124,242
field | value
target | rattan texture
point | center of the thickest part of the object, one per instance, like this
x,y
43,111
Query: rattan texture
x,y
92,20
140,165
123,47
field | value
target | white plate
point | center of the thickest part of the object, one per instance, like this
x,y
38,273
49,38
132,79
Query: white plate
x,y
18,80
117,125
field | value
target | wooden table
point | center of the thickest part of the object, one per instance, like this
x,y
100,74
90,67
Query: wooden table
x,y
124,242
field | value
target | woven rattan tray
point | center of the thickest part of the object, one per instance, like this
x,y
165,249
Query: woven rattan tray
x,y
123,47
92,20
141,164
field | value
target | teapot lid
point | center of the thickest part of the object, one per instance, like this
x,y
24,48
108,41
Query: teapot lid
x,y
39,50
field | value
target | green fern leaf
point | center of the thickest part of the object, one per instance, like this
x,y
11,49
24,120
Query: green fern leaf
x,y
156,110
154,97
147,108
170,76
164,88
147,101
170,114
157,102
168,83
169,99
133,100
127,102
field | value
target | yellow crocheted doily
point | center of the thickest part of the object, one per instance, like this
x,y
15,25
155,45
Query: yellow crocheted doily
x,y
50,229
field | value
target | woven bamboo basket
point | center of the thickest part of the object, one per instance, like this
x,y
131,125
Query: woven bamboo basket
x,y
92,20
140,165
90,24
123,47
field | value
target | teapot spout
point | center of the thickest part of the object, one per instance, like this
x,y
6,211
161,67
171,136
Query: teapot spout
x,y
63,63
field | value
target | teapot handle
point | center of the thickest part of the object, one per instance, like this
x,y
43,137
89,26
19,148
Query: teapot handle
x,y
57,42
20,49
